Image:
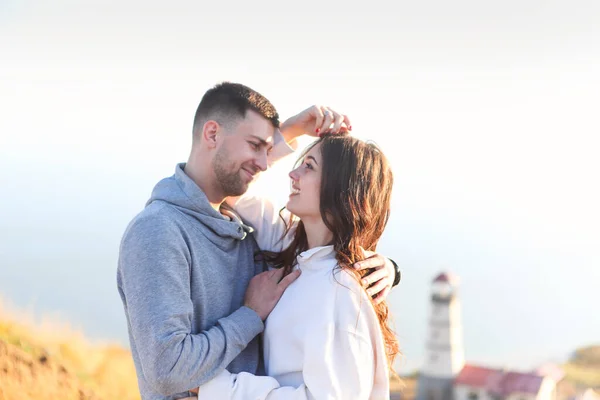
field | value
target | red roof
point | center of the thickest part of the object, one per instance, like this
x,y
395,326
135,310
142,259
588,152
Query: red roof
x,y
499,382
445,277
472,375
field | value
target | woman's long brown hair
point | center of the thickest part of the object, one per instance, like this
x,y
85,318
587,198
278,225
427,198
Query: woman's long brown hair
x,y
356,187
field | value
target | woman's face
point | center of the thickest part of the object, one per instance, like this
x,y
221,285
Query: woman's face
x,y
305,194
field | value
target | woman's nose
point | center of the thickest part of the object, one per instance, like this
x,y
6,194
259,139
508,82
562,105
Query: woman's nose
x,y
294,174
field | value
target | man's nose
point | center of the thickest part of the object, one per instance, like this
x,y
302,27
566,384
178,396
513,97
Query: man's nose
x,y
261,161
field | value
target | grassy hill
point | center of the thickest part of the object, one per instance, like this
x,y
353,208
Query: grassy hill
x,y
583,367
58,363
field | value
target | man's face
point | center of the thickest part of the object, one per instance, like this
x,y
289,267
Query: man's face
x,y
242,153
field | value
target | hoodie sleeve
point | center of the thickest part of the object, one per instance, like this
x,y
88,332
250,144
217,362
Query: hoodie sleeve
x,y
154,283
281,148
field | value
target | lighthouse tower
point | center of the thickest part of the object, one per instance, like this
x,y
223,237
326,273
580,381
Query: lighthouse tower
x,y
445,354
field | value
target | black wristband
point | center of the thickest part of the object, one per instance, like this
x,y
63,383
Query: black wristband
x,y
398,273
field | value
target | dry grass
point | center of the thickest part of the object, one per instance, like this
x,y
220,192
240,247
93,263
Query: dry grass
x,y
583,368
50,360
404,386
582,376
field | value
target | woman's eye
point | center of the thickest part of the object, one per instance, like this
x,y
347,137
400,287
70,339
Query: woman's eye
x,y
309,166
253,145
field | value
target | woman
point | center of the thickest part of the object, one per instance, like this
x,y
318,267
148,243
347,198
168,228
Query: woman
x,y
325,339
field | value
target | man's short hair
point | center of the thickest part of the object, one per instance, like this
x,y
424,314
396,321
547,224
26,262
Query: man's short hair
x,y
229,101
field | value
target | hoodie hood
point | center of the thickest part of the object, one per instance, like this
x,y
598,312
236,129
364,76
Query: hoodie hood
x,y
181,192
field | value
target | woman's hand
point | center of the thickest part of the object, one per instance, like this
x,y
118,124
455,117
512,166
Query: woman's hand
x,y
315,121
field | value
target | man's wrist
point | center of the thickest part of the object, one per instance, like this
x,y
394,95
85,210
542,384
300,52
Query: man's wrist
x,y
397,273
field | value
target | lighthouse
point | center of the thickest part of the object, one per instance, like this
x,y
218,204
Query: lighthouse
x,y
444,357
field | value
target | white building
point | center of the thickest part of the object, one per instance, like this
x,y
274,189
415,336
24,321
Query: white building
x,y
445,376
445,354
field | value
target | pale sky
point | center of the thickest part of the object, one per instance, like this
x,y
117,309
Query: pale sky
x,y
487,112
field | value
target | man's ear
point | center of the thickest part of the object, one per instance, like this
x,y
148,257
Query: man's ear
x,y
209,133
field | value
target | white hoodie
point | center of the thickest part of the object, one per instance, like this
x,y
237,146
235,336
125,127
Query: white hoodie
x,y
322,340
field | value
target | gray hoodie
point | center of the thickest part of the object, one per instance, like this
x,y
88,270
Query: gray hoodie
x,y
182,275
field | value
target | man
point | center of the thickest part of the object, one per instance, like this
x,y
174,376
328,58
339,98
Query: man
x,y
195,295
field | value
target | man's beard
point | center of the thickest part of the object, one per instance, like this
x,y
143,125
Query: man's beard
x,y
230,182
